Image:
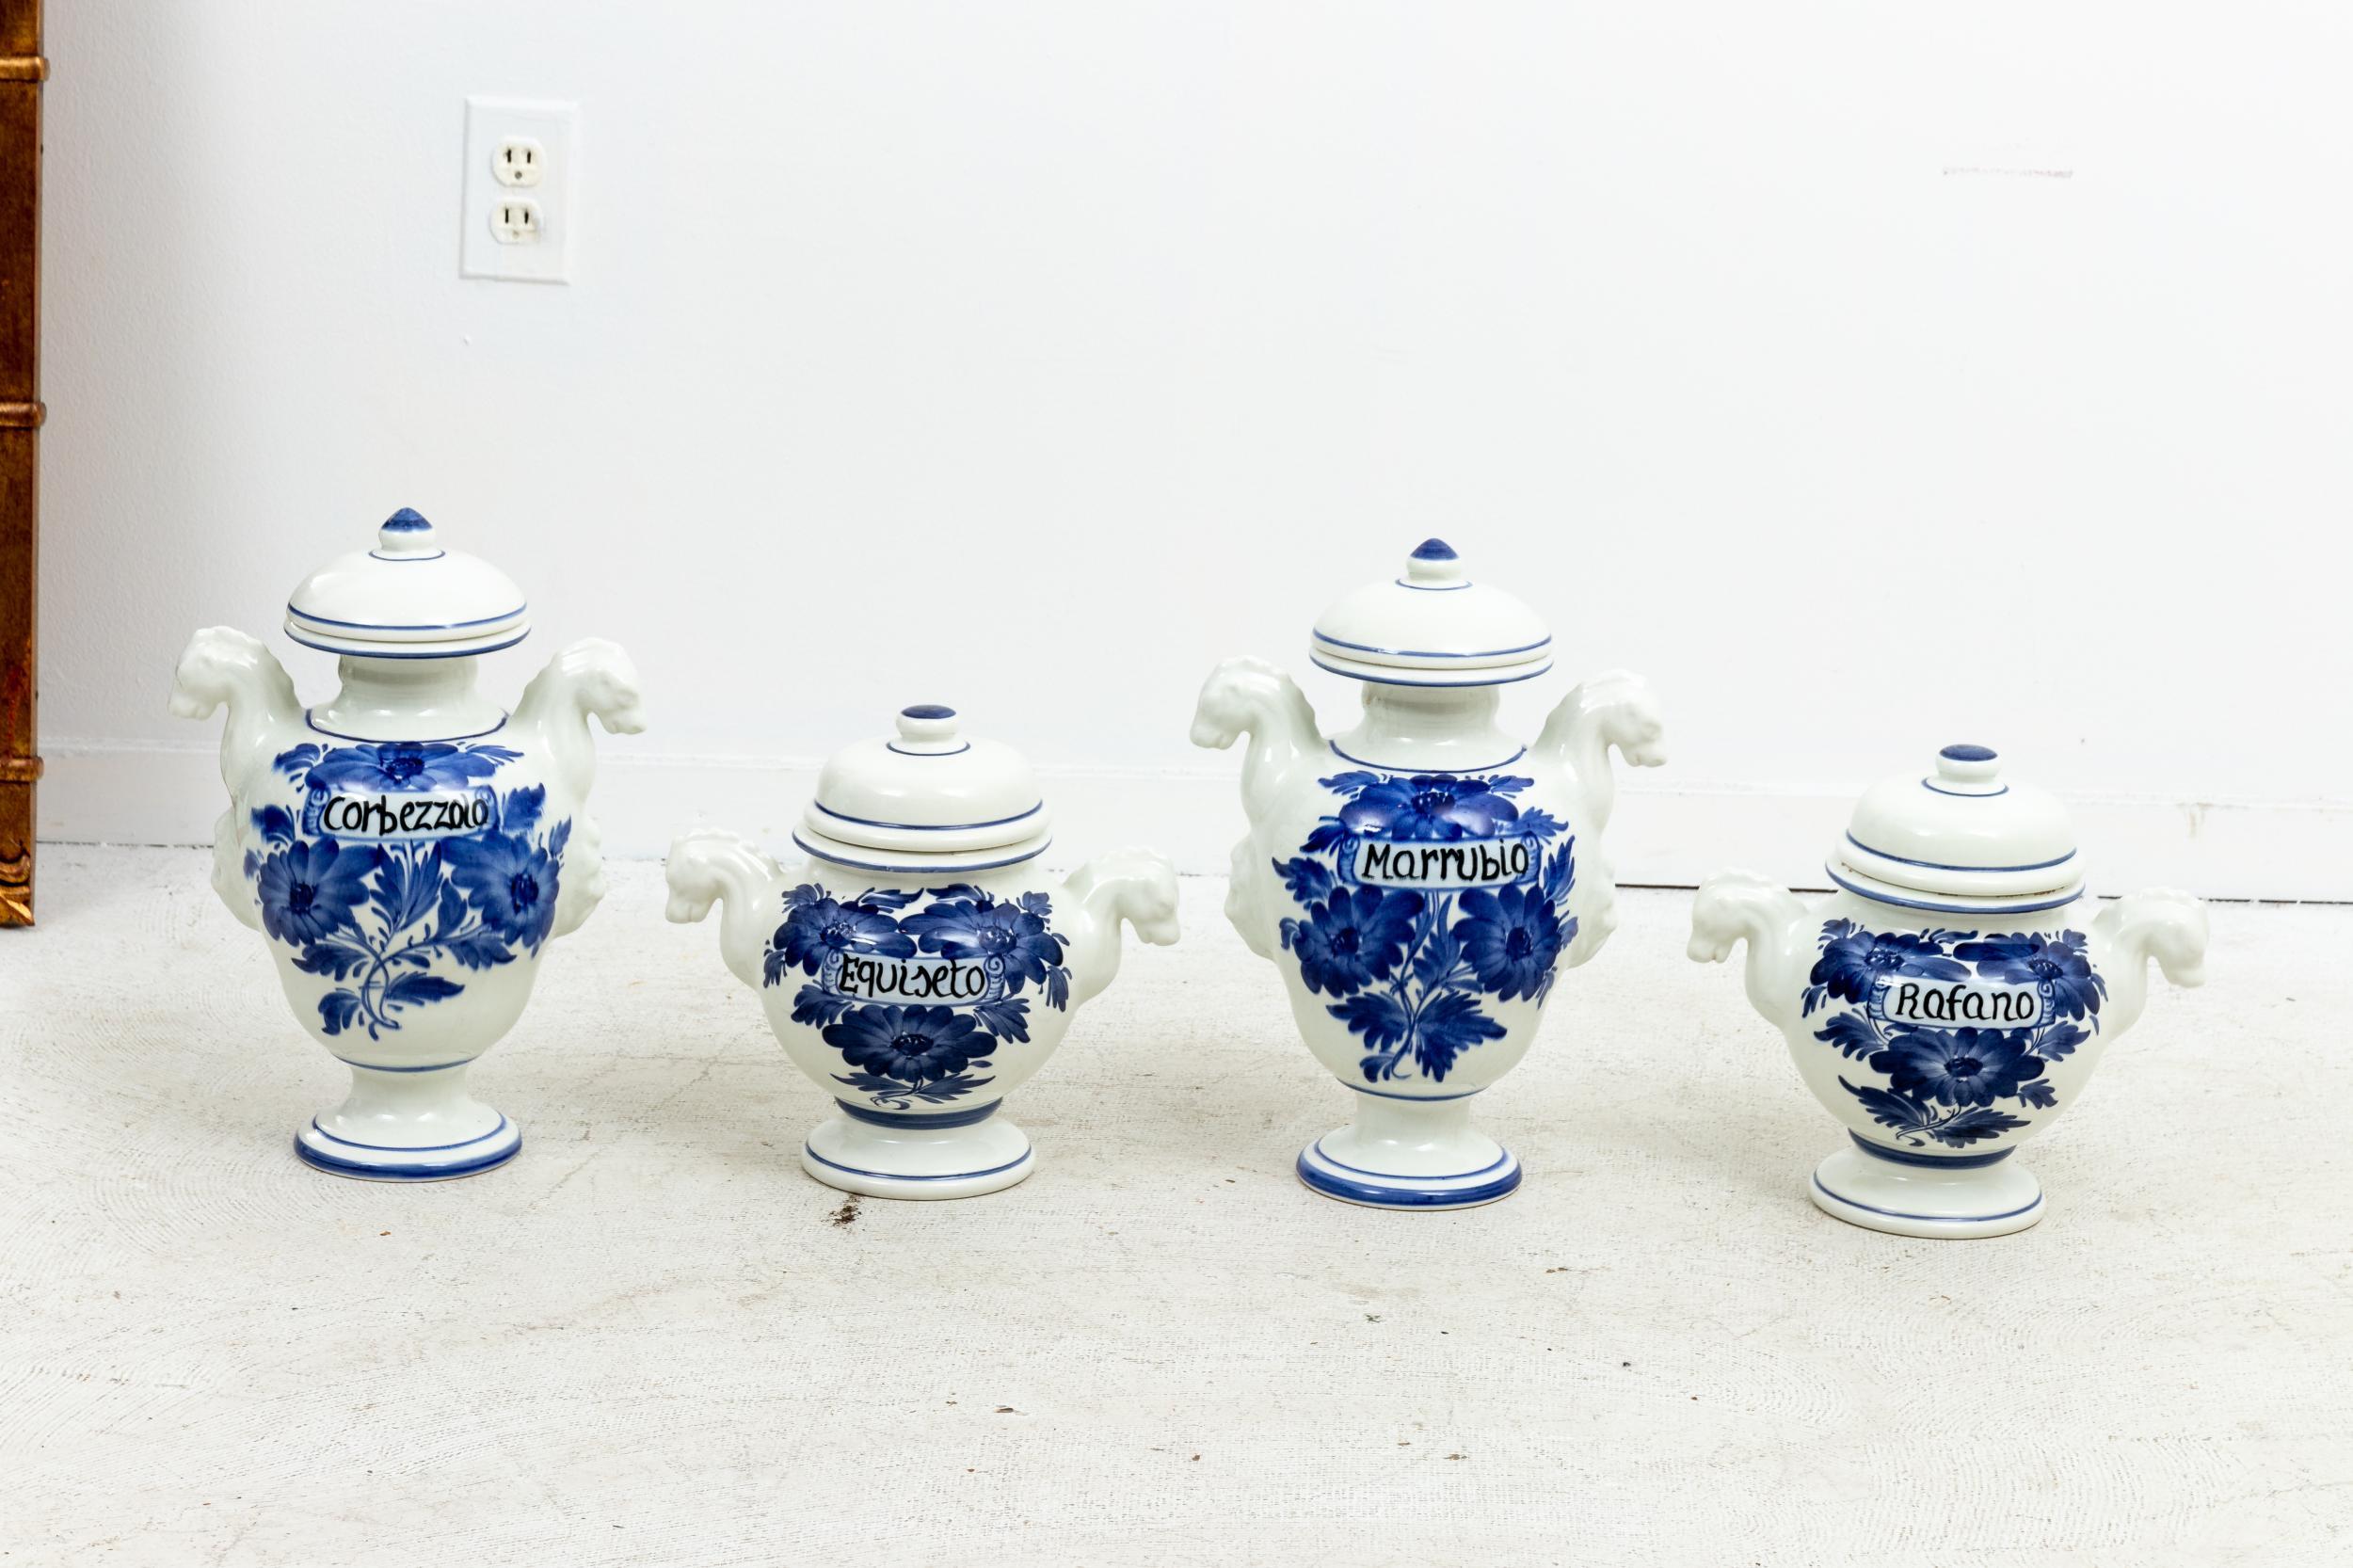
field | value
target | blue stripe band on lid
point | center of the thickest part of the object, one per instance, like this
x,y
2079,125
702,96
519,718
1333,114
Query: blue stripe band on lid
x,y
1832,871
928,827
419,626
1502,680
1940,866
1431,653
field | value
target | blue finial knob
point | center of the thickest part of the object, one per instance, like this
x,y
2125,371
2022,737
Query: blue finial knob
x,y
406,533
1434,550
1967,754
928,710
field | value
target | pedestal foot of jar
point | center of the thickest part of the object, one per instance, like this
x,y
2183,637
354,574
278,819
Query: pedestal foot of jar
x,y
1940,1198
904,1155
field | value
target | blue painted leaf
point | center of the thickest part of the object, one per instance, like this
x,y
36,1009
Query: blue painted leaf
x,y
330,958
939,895
1008,1019
2060,1042
803,896
1036,904
1058,989
253,865
1436,958
1309,881
418,989
1507,783
558,836
295,762
482,949
1537,822
1351,783
1975,1125
1814,995
1289,930
1890,1109
940,1091
1854,1034
1375,1016
1836,931
1448,1027
1325,835
450,914
2038,1093
275,825
521,813
337,1009
1561,871
817,1007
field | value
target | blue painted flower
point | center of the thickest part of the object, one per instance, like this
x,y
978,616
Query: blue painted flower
x,y
913,1045
509,881
1429,806
985,928
1854,959
311,888
1958,1067
1353,938
406,766
2056,964
1511,937
818,928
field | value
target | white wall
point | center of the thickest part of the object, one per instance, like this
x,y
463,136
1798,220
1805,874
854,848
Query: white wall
x,y
1870,376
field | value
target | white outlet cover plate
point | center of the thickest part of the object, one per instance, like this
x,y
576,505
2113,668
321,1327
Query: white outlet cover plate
x,y
556,128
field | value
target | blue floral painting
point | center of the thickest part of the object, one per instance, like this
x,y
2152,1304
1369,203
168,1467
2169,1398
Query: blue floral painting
x,y
1416,972
379,917
1949,1084
902,1053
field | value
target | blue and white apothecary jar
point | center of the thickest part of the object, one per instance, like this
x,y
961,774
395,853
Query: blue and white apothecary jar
x,y
1952,996
916,962
409,848
1421,880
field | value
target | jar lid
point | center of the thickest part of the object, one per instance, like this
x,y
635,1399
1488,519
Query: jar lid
x,y
407,599
1960,840
926,799
1432,627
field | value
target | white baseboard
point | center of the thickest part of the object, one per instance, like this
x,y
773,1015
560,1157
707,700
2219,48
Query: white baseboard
x,y
102,793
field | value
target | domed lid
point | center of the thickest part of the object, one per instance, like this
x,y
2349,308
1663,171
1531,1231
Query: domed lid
x,y
407,599
1432,627
1960,840
926,799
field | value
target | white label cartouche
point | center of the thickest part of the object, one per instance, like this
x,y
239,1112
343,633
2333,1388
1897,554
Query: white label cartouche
x,y
1459,864
934,982
1959,1003
367,816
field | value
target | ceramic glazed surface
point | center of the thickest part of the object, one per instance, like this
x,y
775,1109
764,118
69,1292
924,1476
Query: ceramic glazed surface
x,y
1422,880
1942,1023
407,879
917,966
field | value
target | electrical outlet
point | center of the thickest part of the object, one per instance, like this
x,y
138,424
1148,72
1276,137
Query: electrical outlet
x,y
514,148
515,221
519,161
